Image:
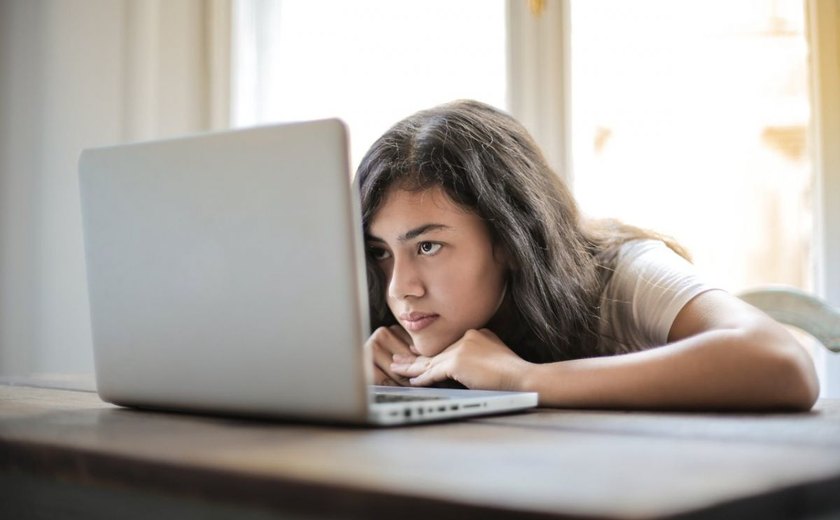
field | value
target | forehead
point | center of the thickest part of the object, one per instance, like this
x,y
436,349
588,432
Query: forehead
x,y
402,210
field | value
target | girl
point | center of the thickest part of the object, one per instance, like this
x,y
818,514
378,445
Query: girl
x,y
483,272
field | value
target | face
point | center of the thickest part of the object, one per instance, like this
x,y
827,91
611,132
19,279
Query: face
x,y
443,275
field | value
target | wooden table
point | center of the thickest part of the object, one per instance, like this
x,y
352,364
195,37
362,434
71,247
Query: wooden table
x,y
67,454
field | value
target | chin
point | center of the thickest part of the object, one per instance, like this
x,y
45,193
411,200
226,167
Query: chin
x,y
430,346
427,348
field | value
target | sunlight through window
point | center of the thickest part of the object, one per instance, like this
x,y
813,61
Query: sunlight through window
x,y
370,62
692,119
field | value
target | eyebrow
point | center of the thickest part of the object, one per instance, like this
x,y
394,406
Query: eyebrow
x,y
412,233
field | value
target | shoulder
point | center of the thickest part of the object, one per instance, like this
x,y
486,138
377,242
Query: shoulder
x,y
651,264
649,286
643,252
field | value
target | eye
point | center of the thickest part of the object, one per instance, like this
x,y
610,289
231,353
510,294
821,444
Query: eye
x,y
428,248
379,254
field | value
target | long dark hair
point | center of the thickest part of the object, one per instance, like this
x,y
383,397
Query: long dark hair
x,y
486,162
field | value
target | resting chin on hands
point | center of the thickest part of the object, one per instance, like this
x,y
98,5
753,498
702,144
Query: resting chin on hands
x,y
479,360
384,344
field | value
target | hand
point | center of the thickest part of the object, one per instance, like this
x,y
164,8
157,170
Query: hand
x,y
384,343
479,360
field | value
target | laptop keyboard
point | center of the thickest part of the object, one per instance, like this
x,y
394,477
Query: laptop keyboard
x,y
401,398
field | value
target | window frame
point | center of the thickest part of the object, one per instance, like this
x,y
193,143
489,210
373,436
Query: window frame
x,y
539,94
823,28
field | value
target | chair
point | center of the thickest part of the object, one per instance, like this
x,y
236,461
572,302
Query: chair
x,y
799,309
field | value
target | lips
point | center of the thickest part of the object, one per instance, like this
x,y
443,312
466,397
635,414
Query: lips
x,y
416,321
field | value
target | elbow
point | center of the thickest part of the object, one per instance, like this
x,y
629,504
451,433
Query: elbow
x,y
795,382
802,387
785,377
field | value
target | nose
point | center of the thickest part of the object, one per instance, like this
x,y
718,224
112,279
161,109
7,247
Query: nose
x,y
406,280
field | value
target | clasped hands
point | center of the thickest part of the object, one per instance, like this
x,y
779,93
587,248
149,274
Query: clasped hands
x,y
478,360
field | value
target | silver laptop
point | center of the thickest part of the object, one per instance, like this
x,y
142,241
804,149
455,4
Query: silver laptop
x,y
226,275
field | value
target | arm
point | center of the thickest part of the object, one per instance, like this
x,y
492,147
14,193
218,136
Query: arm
x,y
722,354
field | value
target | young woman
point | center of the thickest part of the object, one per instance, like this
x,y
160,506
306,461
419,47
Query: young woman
x,y
482,272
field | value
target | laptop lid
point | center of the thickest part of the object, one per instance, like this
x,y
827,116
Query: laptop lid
x,y
226,273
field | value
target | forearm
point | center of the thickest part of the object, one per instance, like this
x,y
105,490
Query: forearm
x,y
718,369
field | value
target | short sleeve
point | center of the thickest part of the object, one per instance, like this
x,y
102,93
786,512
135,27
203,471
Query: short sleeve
x,y
650,285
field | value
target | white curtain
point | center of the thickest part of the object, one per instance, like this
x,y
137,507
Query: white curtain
x,y
77,74
538,76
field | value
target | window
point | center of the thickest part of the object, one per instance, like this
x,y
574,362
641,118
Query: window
x,y
370,62
691,119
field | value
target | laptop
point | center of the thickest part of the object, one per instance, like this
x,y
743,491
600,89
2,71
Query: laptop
x,y
226,275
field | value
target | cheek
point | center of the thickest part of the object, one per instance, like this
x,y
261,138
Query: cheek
x,y
472,292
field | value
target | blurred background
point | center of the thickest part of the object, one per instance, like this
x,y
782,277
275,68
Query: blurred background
x,y
715,122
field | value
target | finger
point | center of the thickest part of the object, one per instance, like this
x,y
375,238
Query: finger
x,y
403,359
380,378
384,343
407,367
435,374
423,371
391,340
382,361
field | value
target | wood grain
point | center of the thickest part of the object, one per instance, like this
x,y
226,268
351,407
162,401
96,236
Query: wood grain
x,y
542,464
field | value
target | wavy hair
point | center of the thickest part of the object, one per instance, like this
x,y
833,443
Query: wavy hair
x,y
487,163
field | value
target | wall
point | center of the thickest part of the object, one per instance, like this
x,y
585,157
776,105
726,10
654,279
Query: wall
x,y
60,91
77,74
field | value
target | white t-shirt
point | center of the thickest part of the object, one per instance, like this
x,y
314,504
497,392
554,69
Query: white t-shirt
x,y
649,287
